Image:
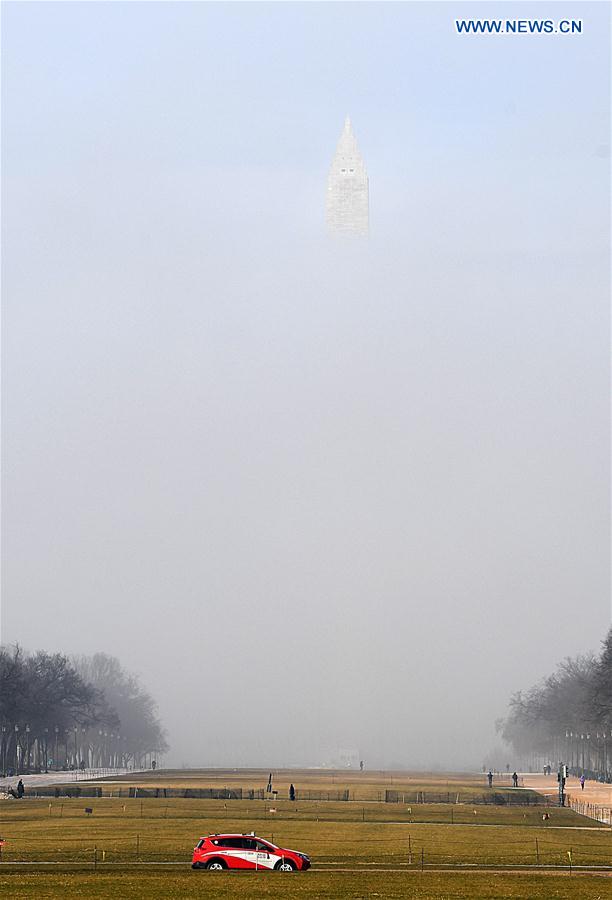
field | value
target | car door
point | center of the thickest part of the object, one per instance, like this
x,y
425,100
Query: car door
x,y
253,856
235,853
265,855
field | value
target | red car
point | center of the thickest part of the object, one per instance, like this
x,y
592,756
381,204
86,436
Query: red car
x,y
245,851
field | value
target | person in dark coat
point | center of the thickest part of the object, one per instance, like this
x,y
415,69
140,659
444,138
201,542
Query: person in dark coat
x,y
291,793
20,789
515,779
490,778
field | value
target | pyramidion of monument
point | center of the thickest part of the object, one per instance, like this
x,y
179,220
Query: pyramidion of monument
x,y
347,207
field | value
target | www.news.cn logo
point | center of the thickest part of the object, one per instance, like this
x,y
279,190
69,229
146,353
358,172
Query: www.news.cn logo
x,y
518,26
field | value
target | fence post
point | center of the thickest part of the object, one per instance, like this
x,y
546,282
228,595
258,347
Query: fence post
x,y
537,852
422,858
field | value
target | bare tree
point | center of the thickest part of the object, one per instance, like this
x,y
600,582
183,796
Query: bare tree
x,y
141,731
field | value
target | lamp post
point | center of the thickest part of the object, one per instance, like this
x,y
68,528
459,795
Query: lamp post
x,y
56,741
4,750
16,747
561,776
588,737
27,730
46,733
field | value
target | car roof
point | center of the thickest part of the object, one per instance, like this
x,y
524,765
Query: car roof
x,y
248,834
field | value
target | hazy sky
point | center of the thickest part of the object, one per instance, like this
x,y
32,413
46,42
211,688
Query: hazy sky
x,y
318,494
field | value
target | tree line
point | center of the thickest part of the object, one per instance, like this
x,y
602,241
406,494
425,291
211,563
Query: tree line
x,y
63,713
567,717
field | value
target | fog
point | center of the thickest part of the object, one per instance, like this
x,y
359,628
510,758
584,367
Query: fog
x,y
319,494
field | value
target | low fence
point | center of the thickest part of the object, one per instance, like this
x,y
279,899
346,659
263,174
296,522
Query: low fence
x,y
343,795
488,798
601,814
100,772
147,793
179,793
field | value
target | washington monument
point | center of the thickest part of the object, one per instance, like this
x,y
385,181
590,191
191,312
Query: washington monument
x,y
347,201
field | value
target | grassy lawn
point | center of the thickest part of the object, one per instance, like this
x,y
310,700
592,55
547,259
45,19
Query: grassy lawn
x,y
160,831
390,885
387,842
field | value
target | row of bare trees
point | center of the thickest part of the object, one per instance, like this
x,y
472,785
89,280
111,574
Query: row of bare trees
x,y
567,717
61,713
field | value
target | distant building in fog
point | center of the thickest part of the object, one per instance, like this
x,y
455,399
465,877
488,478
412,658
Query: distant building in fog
x,y
339,758
347,207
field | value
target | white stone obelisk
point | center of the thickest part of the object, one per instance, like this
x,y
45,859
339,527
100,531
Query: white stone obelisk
x,y
347,202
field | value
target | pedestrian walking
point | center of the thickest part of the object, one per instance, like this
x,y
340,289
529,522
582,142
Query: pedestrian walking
x,y
291,793
515,779
582,780
20,789
490,778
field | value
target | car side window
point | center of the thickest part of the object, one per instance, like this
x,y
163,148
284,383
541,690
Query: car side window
x,y
234,843
249,844
262,848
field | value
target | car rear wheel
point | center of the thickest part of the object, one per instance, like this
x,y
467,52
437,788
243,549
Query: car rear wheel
x,y
216,865
285,865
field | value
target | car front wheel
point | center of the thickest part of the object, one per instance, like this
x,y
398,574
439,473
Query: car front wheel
x,y
285,865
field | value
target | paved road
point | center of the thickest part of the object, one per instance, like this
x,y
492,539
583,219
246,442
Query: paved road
x,y
372,868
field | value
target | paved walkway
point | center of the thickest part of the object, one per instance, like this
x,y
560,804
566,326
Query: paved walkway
x,y
594,791
56,778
